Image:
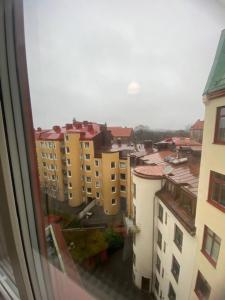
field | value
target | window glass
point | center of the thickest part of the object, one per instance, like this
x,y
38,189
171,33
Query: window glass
x,y
211,245
202,288
220,127
178,237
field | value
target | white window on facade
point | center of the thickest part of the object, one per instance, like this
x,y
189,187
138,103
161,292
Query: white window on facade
x,y
69,173
97,184
88,168
89,190
66,137
88,179
87,156
68,162
53,177
50,156
70,185
113,165
67,150
96,173
113,177
122,165
113,189
96,162
70,195
97,195
86,145
114,202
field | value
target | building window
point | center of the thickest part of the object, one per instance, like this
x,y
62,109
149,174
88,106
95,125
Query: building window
x,y
83,189
70,195
220,126
171,293
156,285
113,189
113,177
202,288
123,188
69,174
96,163
89,190
87,156
123,176
88,168
175,268
97,184
70,185
96,173
159,239
211,245
178,237
217,190
44,164
68,162
166,218
53,177
50,156
114,202
162,272
160,213
54,156
113,165
122,165
67,150
66,137
88,179
134,190
86,145
97,195
45,174
158,263
164,247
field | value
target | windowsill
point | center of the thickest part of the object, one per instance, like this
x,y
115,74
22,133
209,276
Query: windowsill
x,y
212,262
217,205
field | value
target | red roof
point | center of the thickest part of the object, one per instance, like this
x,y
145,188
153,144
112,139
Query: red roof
x,y
87,131
180,141
198,125
121,131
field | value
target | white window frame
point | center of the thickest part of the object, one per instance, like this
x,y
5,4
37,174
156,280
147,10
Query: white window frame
x,y
68,173
115,189
115,202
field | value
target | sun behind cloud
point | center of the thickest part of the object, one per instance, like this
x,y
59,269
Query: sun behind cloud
x,y
133,88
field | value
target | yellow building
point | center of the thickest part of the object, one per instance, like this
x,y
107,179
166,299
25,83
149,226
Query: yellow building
x,y
77,163
208,281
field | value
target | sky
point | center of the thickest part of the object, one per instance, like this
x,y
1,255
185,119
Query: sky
x,y
123,62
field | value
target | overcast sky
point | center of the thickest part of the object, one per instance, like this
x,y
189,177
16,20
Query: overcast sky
x,y
124,62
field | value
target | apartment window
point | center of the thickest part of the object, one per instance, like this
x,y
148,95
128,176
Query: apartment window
x,y
86,145
123,176
70,195
52,167
96,163
45,174
66,137
88,168
160,213
171,293
49,144
69,174
50,156
162,272
87,156
88,179
97,184
220,126
54,156
68,162
113,177
83,189
96,173
97,195
113,189
202,288
158,263
113,165
70,185
53,177
67,150
175,268
89,190
44,164
217,190
134,190
43,154
81,145
123,188
164,247
122,165
211,245
178,237
114,202
159,239
156,285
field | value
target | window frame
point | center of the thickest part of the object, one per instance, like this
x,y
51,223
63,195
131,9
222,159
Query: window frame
x,y
160,212
214,236
177,244
204,281
171,289
216,139
212,180
176,264
159,241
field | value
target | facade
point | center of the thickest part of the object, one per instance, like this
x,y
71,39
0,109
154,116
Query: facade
x,y
209,274
164,199
196,131
78,163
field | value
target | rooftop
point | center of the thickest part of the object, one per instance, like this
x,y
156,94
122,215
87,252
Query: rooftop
x,y
198,125
179,141
121,131
216,81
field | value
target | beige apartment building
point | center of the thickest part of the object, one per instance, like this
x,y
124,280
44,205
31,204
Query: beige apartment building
x,y
79,163
210,216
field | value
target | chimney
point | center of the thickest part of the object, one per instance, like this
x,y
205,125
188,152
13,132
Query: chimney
x,y
39,129
69,126
148,146
56,128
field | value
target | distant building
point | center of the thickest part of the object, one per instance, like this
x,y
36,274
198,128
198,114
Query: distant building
x,y
122,134
78,163
196,131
